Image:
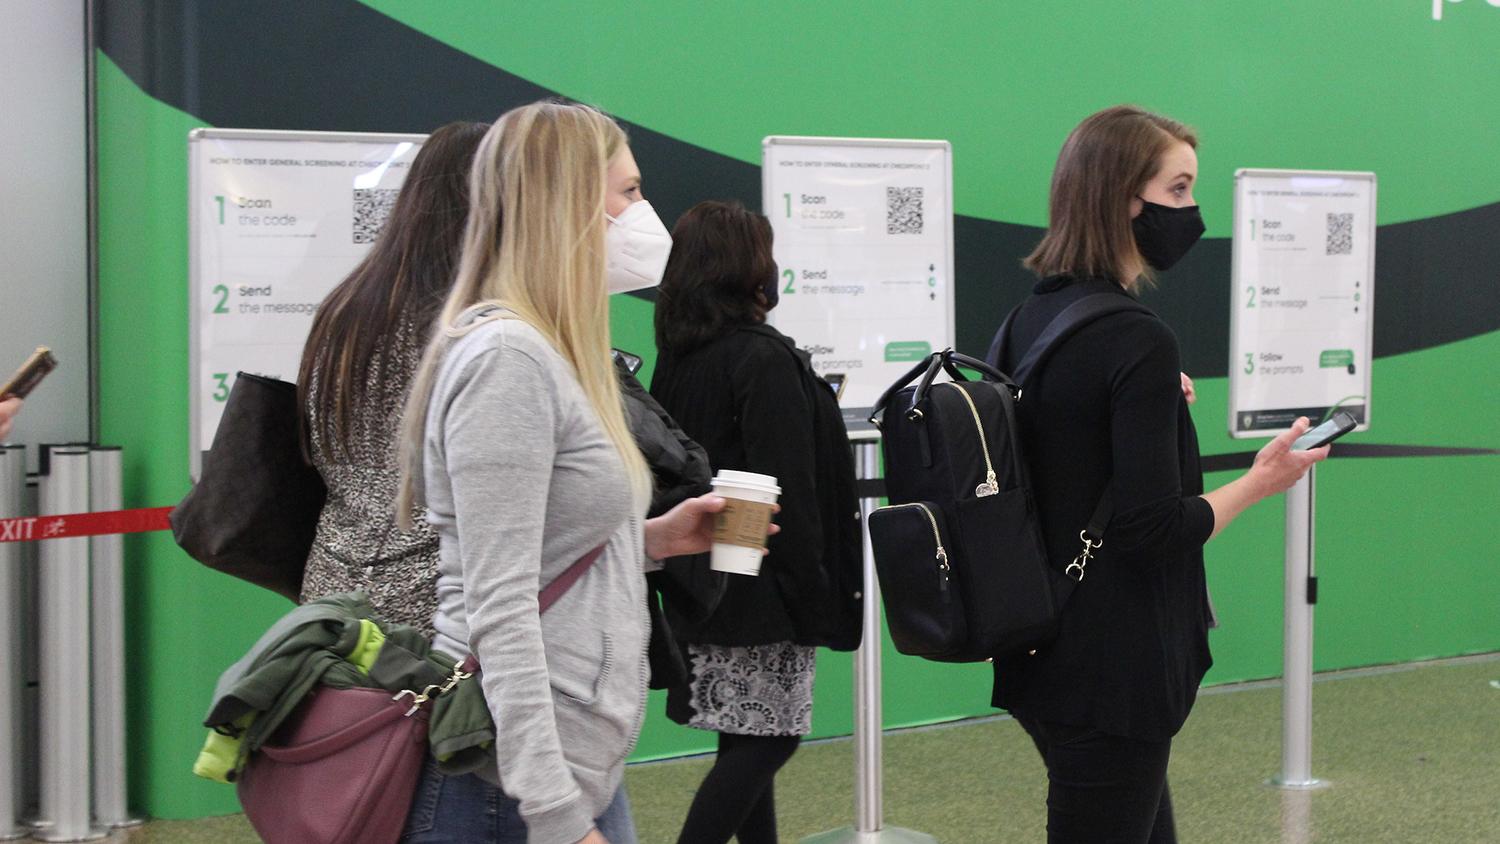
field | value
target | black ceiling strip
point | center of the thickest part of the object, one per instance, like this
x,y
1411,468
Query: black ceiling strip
x,y
340,65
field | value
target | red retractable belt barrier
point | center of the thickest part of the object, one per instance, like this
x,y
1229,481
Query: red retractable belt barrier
x,y
84,524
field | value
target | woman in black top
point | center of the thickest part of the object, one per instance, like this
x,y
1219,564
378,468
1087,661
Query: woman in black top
x,y
744,392
1109,410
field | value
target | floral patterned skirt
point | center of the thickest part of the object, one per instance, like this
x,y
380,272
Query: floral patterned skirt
x,y
760,690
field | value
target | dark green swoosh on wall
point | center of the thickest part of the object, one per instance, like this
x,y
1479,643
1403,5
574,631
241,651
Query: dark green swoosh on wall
x,y
340,65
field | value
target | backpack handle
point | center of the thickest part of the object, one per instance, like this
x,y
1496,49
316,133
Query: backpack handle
x,y
946,360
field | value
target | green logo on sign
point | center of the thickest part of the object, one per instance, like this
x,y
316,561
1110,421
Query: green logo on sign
x,y
897,352
1335,357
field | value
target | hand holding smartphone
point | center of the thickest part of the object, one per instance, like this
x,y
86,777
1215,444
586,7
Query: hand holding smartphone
x,y
30,374
1341,424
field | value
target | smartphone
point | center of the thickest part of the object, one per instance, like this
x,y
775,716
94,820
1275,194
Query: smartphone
x,y
1341,424
836,381
30,374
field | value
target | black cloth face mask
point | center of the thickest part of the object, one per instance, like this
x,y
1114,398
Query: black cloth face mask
x,y
772,292
1164,234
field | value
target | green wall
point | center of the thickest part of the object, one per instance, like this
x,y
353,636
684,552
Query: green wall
x,y
1372,85
1369,85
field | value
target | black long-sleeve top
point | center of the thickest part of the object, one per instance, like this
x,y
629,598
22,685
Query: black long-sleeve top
x,y
742,398
1133,639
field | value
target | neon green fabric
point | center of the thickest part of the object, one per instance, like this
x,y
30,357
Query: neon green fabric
x,y
220,752
371,638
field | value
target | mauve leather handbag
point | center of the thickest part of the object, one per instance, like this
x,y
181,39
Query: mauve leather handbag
x,y
341,771
344,766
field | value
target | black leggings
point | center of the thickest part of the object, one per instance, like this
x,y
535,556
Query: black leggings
x,y
737,798
1103,789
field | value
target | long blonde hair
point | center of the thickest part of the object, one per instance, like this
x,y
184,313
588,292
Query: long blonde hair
x,y
534,246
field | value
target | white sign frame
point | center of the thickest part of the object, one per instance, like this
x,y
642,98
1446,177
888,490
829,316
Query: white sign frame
x,y
940,278
379,174
1245,421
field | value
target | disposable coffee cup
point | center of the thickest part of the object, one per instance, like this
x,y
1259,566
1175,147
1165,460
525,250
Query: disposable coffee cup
x,y
742,526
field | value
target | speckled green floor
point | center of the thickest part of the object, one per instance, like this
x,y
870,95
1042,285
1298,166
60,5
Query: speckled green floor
x,y
1413,753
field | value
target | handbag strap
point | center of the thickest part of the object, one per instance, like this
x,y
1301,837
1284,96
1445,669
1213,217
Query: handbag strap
x,y
550,593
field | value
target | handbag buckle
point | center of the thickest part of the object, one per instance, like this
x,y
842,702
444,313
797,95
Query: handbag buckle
x,y
1075,569
419,698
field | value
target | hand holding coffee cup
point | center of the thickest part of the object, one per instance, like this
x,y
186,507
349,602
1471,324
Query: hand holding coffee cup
x,y
688,528
741,528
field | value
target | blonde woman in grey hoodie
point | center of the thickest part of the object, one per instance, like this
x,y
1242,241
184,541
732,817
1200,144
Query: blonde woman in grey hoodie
x,y
515,441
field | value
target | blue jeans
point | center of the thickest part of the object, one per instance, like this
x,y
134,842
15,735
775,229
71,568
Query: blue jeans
x,y
468,810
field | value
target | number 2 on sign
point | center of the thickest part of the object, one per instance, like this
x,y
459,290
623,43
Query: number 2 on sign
x,y
1251,291
221,392
791,278
223,293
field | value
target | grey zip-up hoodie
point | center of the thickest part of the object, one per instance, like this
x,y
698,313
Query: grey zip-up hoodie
x,y
520,481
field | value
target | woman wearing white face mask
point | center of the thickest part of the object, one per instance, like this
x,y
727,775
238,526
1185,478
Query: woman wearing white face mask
x,y
515,441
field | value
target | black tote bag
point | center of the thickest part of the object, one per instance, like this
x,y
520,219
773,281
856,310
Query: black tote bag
x,y
255,509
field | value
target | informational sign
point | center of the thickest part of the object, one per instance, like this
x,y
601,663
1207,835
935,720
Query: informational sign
x,y
864,245
275,221
1301,324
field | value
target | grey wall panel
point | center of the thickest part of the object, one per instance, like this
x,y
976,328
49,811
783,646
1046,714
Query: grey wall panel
x,y
43,212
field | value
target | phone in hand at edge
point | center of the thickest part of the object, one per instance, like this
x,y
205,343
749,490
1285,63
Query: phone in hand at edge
x,y
29,374
836,381
1341,424
632,362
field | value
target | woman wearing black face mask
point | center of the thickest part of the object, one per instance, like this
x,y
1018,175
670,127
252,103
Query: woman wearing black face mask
x,y
1108,412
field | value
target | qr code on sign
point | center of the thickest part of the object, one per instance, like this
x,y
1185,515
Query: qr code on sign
x,y
903,210
371,208
1341,234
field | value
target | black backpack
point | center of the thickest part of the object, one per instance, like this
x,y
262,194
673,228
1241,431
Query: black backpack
x,y
963,571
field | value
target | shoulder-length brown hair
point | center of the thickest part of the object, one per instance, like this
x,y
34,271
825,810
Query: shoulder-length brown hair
x,y
720,264
1104,164
405,277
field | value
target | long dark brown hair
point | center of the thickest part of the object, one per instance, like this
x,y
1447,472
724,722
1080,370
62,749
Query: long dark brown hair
x,y
720,264
405,277
1105,163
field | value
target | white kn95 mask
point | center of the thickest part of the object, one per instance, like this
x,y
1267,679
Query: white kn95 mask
x,y
636,245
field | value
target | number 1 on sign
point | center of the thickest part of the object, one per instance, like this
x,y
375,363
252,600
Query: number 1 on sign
x,y
788,204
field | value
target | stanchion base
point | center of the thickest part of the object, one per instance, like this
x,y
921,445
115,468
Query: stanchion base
x,y
887,835
125,824
1301,785
42,831
12,835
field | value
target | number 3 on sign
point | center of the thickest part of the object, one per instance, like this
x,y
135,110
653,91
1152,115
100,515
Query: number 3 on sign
x,y
1249,363
221,392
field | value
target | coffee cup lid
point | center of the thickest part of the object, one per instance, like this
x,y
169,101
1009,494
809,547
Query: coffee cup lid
x,y
747,480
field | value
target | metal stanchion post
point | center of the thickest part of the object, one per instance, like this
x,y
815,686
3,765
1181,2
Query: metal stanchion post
x,y
869,826
106,566
63,589
1301,594
12,496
